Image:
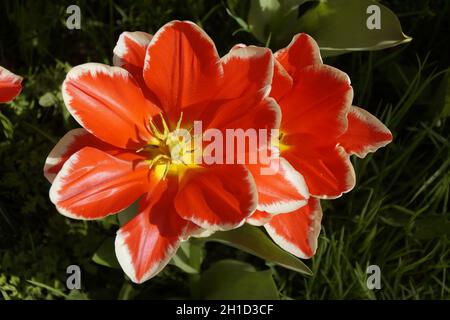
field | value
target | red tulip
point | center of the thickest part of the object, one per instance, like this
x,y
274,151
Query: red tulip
x,y
124,151
10,85
320,129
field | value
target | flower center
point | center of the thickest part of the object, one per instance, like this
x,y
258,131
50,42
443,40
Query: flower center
x,y
169,151
282,143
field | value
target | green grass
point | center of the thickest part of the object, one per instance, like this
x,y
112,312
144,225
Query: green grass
x,y
397,217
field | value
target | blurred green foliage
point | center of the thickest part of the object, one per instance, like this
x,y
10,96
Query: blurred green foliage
x,y
397,217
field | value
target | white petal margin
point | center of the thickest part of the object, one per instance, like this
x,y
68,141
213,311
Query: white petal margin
x,y
57,186
259,218
93,69
141,39
9,77
312,237
307,38
61,148
211,228
199,233
248,53
375,124
294,178
124,258
163,29
350,180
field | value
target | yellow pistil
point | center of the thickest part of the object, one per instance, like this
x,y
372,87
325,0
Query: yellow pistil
x,y
282,142
169,151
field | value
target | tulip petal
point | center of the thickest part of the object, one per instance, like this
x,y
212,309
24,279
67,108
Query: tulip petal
x,y
108,102
282,82
250,132
302,52
218,197
247,71
327,171
280,187
297,232
246,83
10,85
75,140
181,67
259,218
146,243
129,52
365,133
93,184
318,104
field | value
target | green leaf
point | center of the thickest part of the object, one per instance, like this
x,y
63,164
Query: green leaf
x,y
127,292
274,19
432,227
55,291
254,241
48,100
189,256
77,295
442,97
109,221
105,255
6,125
233,7
129,213
235,280
340,26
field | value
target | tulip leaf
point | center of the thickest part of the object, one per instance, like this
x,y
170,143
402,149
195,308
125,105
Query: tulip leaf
x,y
273,19
129,213
236,280
106,255
189,256
340,26
233,7
254,241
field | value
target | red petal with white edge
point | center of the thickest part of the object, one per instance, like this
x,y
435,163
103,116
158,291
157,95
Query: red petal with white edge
x,y
365,133
93,184
264,115
327,171
10,85
259,218
302,52
146,243
74,141
280,187
282,82
297,232
247,71
129,53
242,102
181,67
218,197
246,82
318,103
108,102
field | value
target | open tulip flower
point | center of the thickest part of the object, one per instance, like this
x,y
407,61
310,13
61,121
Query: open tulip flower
x,y
128,148
10,85
319,131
